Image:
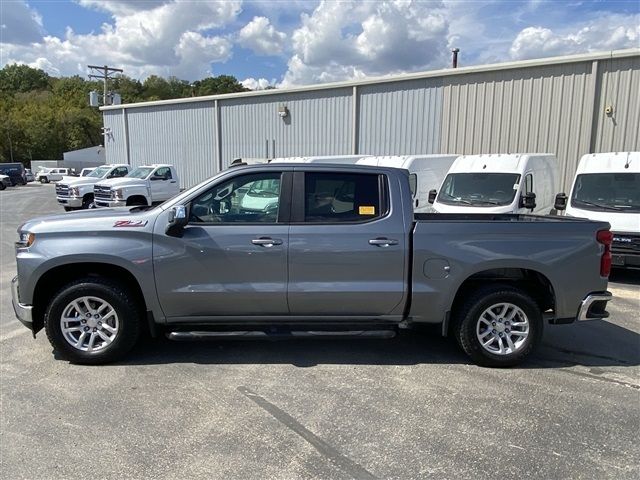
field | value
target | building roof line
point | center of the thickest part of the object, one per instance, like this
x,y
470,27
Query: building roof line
x,y
614,54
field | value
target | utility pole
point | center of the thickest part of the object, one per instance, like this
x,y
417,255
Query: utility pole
x,y
105,73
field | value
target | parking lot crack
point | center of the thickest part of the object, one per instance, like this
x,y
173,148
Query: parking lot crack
x,y
330,453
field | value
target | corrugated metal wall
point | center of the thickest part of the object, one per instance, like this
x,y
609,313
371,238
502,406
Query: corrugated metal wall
x,y
619,87
115,141
542,110
183,135
318,123
556,108
400,118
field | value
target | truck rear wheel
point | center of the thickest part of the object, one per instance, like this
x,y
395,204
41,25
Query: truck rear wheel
x,y
92,321
498,326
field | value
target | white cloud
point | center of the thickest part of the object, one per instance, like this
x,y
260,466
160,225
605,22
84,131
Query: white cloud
x,y
608,32
161,38
342,40
19,24
122,7
262,37
257,84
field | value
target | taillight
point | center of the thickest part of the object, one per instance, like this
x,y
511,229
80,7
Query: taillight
x,y
605,237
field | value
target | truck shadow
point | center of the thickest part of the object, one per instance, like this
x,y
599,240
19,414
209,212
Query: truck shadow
x,y
592,344
625,276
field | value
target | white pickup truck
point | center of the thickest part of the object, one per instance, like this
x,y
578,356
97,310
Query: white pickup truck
x,y
145,185
47,175
76,193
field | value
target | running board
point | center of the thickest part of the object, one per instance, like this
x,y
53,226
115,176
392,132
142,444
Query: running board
x,y
257,334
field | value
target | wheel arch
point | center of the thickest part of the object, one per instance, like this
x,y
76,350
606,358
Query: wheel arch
x,y
531,281
56,277
134,198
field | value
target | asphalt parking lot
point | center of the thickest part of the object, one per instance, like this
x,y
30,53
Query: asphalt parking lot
x,y
410,407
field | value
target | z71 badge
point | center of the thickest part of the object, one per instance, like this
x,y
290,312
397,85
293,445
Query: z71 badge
x,y
130,223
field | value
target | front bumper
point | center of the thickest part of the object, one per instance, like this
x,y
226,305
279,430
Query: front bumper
x,y
23,312
70,201
624,259
594,306
110,203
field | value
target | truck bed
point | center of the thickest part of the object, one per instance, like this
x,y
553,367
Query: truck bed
x,y
491,217
449,249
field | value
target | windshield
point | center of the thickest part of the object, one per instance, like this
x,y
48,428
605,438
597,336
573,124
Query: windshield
x,y
615,192
479,189
99,172
141,172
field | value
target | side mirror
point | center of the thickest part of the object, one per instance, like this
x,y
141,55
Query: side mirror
x,y
432,195
178,219
561,202
528,201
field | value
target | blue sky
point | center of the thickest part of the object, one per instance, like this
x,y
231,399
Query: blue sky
x,y
300,42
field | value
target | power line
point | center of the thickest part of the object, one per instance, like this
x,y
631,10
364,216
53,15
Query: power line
x,y
105,73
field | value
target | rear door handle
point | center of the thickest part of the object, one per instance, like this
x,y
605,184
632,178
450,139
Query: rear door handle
x,y
382,242
266,242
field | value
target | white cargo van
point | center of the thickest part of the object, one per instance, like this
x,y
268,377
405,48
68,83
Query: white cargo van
x,y
343,159
427,171
607,188
499,183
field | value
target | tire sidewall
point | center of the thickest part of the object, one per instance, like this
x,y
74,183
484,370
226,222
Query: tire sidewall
x,y
87,200
128,319
469,340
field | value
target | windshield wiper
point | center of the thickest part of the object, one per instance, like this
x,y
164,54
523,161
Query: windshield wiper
x,y
457,199
485,202
599,205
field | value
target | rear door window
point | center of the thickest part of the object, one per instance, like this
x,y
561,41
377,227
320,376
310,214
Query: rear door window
x,y
342,197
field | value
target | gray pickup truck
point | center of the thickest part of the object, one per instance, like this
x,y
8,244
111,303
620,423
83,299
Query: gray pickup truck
x,y
305,250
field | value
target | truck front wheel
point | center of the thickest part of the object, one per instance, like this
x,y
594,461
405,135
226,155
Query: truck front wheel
x,y
498,326
87,201
92,321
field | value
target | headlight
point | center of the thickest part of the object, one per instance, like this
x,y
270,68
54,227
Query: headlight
x,y
74,191
116,194
26,239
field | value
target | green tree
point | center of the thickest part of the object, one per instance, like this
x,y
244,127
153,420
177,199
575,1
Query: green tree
x,y
218,85
129,89
22,78
156,88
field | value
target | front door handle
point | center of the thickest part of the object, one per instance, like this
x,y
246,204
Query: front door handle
x,y
267,242
382,242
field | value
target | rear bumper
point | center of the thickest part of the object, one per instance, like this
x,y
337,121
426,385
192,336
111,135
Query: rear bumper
x,y
23,312
594,306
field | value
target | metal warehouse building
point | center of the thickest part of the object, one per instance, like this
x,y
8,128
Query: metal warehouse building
x,y
568,105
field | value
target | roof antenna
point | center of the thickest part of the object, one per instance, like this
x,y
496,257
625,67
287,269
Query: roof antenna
x,y
628,162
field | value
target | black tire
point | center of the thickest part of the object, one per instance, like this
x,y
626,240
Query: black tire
x,y
137,202
2,186
468,314
127,309
87,200
44,180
